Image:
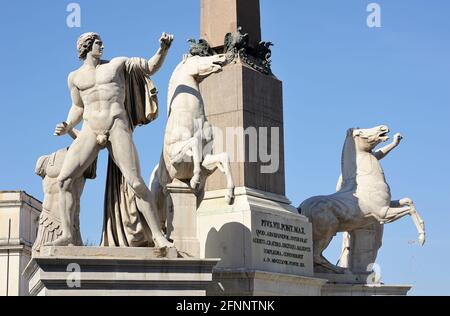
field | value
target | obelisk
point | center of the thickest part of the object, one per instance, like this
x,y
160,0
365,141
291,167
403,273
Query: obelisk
x,y
220,17
263,243
241,97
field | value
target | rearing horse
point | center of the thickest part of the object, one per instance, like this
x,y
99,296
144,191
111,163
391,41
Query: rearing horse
x,y
363,198
187,153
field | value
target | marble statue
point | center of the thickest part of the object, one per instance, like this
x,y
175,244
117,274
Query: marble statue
x,y
49,167
112,97
187,153
363,198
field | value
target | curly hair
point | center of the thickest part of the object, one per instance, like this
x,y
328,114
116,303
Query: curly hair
x,y
84,44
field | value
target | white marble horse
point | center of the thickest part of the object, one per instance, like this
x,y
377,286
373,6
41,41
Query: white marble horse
x,y
363,198
187,153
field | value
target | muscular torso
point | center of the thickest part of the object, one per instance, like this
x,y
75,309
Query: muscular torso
x,y
102,90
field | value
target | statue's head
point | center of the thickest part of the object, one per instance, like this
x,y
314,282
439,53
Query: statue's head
x,y
368,139
201,67
90,43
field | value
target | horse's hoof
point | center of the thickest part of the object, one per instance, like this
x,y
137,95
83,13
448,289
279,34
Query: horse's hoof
x,y
422,240
229,197
195,183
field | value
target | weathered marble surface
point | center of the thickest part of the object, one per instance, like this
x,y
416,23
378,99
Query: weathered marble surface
x,y
112,97
117,272
363,198
187,159
48,168
188,134
364,290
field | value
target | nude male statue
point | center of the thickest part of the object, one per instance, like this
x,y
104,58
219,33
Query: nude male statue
x,y
98,91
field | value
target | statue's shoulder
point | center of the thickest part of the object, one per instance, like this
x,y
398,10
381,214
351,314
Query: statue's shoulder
x,y
72,77
118,60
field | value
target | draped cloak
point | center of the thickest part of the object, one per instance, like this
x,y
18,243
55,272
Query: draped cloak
x,y
124,225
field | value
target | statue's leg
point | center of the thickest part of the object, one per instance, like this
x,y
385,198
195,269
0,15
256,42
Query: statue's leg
x,y
157,196
221,161
345,258
400,209
80,156
394,214
124,154
191,148
197,157
325,227
78,186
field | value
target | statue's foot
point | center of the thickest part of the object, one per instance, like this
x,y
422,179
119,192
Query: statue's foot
x,y
63,241
162,242
195,182
229,197
166,248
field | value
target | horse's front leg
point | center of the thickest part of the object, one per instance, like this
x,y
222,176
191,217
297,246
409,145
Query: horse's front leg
x,y
383,152
189,151
222,161
417,219
400,209
196,142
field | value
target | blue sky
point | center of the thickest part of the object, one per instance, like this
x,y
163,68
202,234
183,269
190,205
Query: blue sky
x,y
337,73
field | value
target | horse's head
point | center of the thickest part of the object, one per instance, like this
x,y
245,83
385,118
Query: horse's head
x,y
368,139
201,67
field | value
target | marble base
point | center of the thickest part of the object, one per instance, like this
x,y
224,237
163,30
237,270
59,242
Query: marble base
x,y
348,278
258,283
259,232
182,219
116,272
330,289
265,246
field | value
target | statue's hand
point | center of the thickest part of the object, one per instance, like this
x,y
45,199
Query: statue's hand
x,y
62,129
166,41
397,139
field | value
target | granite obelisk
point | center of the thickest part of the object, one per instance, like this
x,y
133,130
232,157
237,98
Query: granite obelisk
x,y
264,244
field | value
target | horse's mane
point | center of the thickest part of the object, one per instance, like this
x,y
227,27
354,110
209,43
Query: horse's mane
x,y
348,158
172,87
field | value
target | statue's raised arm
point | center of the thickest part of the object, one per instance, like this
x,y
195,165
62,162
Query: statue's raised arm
x,y
151,66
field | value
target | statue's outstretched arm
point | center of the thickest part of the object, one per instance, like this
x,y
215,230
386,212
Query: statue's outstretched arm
x,y
383,152
155,63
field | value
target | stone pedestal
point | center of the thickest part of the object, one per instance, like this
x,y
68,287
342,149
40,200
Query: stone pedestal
x,y
357,285
262,242
258,283
331,289
360,248
182,223
84,271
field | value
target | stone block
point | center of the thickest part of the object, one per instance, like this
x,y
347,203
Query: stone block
x,y
116,271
